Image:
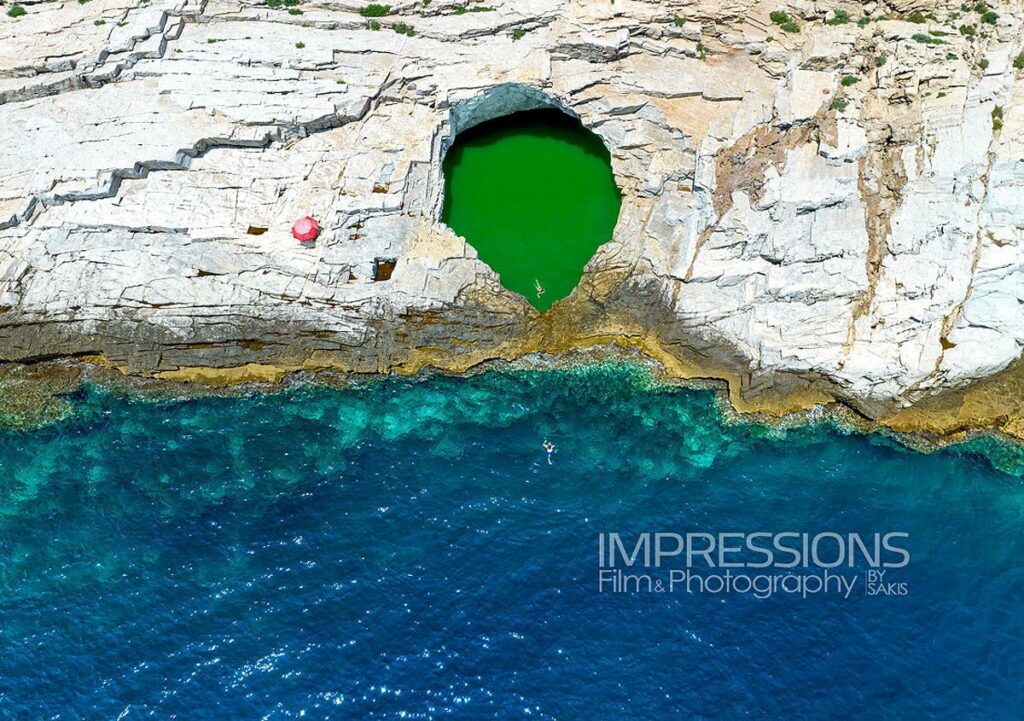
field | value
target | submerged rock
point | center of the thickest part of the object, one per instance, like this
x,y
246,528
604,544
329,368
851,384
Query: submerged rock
x,y
829,213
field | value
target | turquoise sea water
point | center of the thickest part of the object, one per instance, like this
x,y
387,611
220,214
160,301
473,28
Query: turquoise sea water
x,y
404,550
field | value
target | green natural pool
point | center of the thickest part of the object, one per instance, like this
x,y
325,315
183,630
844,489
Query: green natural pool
x,y
534,193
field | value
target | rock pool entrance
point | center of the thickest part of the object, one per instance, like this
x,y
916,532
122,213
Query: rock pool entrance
x,y
534,193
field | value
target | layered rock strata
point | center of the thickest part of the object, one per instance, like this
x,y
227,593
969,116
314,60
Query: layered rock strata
x,y
822,204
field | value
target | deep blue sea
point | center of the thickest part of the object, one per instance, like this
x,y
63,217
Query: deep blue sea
x,y
403,550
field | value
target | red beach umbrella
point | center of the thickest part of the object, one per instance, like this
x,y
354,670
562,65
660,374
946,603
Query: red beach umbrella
x,y
306,229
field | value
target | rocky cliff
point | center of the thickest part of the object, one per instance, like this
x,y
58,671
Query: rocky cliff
x,y
821,200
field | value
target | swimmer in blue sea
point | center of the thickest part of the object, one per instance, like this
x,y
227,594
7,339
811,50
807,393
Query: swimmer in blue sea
x,y
549,447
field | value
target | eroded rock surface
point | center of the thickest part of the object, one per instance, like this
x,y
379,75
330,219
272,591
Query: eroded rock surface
x,y
835,211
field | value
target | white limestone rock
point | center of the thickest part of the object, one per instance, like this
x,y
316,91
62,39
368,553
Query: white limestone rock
x,y
867,235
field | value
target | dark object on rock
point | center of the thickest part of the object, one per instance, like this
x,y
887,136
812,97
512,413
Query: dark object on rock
x,y
383,268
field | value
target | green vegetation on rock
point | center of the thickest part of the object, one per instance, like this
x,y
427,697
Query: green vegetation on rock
x,y
784,21
839,17
373,10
